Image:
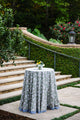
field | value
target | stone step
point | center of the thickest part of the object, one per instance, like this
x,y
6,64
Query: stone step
x,y
20,58
19,85
18,92
62,77
59,83
11,87
18,63
57,73
16,73
10,94
11,74
10,80
14,68
17,58
21,78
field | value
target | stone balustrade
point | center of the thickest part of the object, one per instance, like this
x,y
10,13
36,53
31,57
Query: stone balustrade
x,y
30,35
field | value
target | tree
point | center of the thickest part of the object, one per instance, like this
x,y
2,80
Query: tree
x,y
43,13
73,9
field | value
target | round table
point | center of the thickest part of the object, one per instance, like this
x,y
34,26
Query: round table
x,y
39,91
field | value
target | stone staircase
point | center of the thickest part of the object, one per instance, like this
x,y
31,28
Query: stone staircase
x,y
12,76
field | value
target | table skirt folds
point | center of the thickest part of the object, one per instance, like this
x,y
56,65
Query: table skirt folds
x,y
39,92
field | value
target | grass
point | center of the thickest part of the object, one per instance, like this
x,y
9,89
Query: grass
x,y
70,106
67,115
9,100
69,85
76,86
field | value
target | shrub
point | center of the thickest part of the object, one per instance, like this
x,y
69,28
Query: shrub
x,y
61,31
6,20
11,42
18,42
55,41
39,34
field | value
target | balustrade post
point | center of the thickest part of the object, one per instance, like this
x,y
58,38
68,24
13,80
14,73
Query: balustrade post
x,y
29,52
54,61
79,68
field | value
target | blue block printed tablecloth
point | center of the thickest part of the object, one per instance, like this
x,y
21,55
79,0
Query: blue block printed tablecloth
x,y
39,91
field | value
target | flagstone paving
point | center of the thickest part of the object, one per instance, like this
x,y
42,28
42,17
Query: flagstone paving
x,y
74,117
69,95
48,115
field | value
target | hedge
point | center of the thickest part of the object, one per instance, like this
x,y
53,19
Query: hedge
x,y
64,64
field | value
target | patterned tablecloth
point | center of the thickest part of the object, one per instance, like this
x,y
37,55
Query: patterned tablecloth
x,y
39,91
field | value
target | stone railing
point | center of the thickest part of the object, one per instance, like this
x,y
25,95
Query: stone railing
x,y
30,35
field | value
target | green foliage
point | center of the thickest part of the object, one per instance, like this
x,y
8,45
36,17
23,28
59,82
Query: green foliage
x,y
74,11
67,115
43,13
55,41
70,106
37,33
10,100
68,85
62,7
61,30
11,42
62,20
64,64
6,52
8,17
29,30
18,43
41,3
